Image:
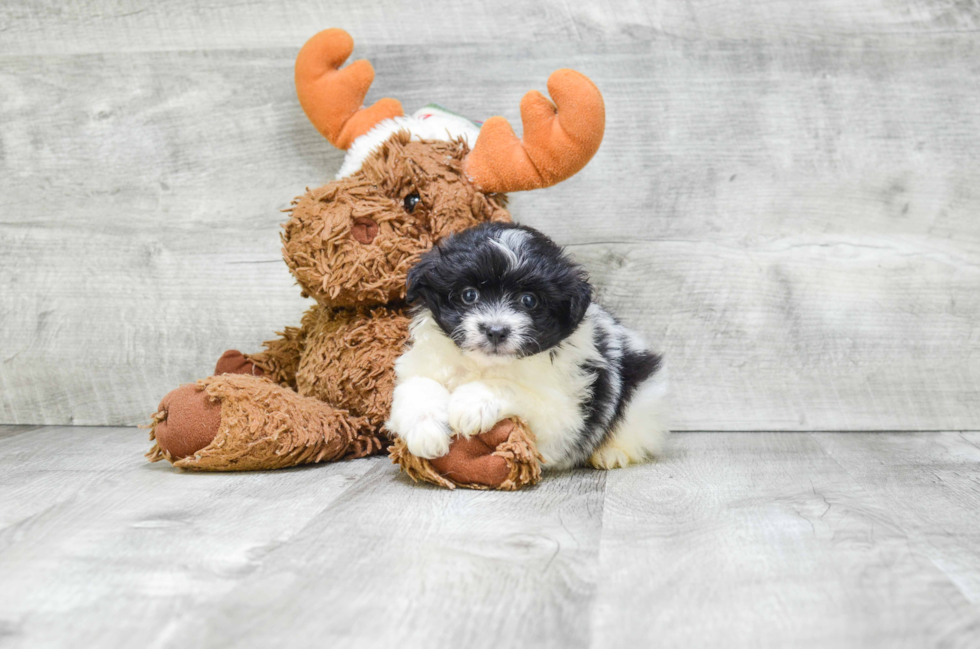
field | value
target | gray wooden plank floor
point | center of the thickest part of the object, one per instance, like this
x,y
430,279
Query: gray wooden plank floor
x,y
734,539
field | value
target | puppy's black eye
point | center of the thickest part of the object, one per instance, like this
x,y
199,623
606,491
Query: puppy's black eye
x,y
529,300
470,296
411,201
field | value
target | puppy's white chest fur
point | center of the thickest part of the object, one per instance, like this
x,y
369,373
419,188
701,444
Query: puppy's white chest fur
x,y
546,390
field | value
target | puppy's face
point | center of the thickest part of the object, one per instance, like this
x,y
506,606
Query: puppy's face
x,y
501,291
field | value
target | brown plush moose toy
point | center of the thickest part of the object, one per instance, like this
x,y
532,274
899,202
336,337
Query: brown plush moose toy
x,y
322,391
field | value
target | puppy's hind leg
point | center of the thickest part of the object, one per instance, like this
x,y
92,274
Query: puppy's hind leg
x,y
641,433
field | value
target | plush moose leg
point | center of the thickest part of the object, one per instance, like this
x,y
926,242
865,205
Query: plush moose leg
x,y
504,458
240,422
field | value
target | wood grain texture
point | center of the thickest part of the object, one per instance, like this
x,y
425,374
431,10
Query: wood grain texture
x,y
159,248
793,220
398,564
929,484
763,540
10,431
87,26
733,539
100,548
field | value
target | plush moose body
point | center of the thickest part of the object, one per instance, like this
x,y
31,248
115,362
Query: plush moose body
x,y
322,391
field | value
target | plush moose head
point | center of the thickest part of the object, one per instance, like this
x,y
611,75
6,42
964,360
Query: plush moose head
x,y
409,181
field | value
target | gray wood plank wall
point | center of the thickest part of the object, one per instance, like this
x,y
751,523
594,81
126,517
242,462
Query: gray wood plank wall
x,y
786,200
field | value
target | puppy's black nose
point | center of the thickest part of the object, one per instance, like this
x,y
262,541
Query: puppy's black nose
x,y
497,334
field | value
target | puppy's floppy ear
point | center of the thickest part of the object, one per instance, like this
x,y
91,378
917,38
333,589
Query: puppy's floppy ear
x,y
579,300
419,280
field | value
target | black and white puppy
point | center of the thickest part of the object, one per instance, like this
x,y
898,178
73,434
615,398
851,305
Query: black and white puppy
x,y
506,326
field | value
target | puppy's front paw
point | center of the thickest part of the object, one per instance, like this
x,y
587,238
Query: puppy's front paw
x,y
418,415
473,409
428,438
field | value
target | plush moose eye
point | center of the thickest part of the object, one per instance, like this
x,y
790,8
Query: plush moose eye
x,y
470,296
411,201
529,300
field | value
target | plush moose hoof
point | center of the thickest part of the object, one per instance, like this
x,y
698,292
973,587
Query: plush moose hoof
x,y
234,362
505,457
471,460
187,420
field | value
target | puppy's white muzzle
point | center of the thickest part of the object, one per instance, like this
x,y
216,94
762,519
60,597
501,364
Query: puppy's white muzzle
x,y
495,330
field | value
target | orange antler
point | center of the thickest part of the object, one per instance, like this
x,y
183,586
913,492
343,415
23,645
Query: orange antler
x,y
332,98
557,143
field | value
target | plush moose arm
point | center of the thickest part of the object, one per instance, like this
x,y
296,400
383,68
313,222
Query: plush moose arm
x,y
279,361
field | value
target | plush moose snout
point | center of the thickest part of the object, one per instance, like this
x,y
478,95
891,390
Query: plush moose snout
x,y
364,230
